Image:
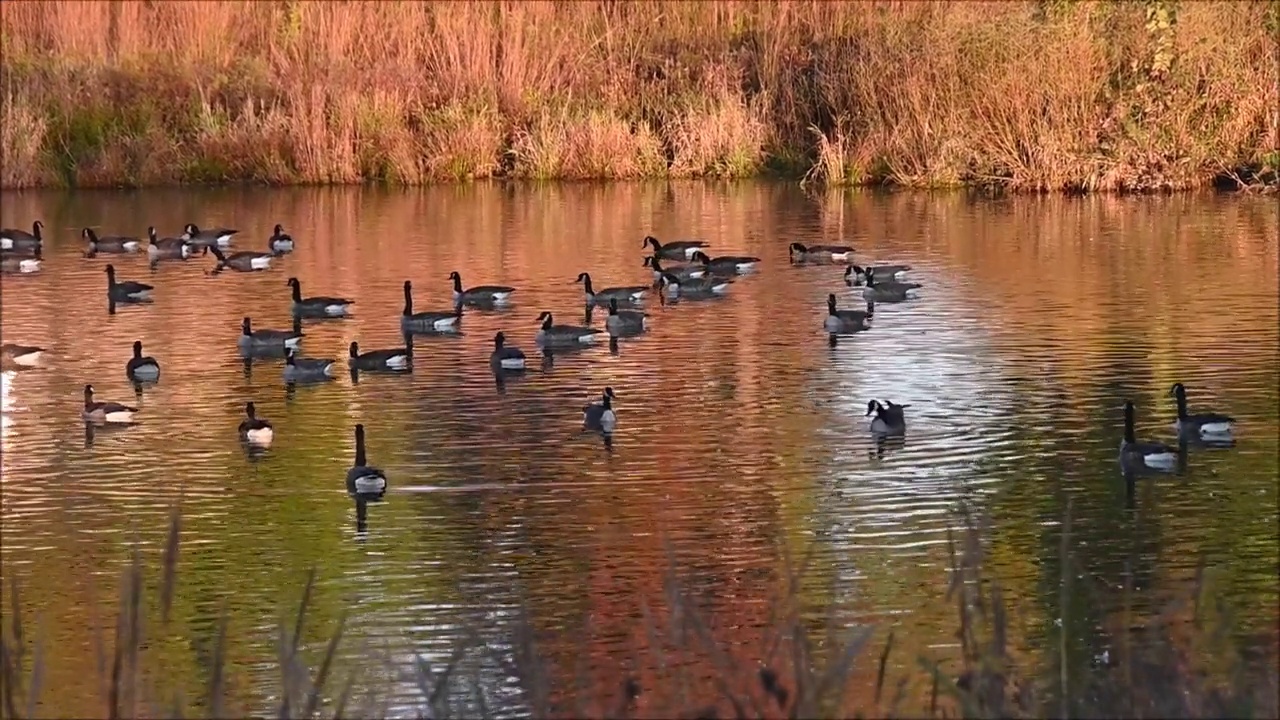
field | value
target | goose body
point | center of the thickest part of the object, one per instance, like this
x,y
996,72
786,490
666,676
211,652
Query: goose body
x,y
254,429
109,243
127,290
139,368
1134,454
834,253
630,293
623,322
427,321
321,305
888,291
12,239
889,417
105,412
20,262
838,321
680,272
266,339
244,261
1207,425
220,237
396,359
601,416
25,355
364,480
279,241
675,250
505,357
298,369
702,287
550,334
167,248
726,263
857,273
481,293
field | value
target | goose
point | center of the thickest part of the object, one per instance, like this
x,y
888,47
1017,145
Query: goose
x,y
1201,425
320,305
889,418
601,416
264,339
216,236
857,273
108,412
631,293
480,293
556,334
427,321
621,322
675,250
254,429
1143,454
505,357
141,368
280,242
726,263
397,359
18,262
700,287
26,355
888,291
681,272
362,479
127,290
301,369
109,243
244,261
835,253
11,239
846,320
167,248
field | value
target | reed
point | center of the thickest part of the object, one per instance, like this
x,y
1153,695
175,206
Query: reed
x,y
1040,95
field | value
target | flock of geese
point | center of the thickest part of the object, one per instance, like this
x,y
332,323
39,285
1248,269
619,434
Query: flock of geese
x,y
681,270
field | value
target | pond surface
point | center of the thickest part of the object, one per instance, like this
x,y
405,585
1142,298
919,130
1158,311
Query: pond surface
x,y
741,430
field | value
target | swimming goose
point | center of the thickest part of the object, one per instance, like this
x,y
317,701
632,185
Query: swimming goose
x,y
857,273
1143,454
244,261
362,479
427,321
107,412
601,416
505,357
11,239
563,334
623,322
846,320
26,355
835,253
726,263
889,418
254,429
265,339
1200,425
321,305
109,243
298,369
695,288
480,293
280,242
887,291
142,369
126,291
19,262
215,236
396,359
630,293
681,272
675,250
168,248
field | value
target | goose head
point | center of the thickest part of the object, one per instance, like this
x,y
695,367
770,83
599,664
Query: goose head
x,y
545,319
354,349
699,256
499,340
137,348
651,241
246,327
796,247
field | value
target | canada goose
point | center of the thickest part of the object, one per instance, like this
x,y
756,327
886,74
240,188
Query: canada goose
x,y
364,480
681,272
244,261
1139,454
264,339
126,291
675,250
321,305
726,263
20,262
25,355
396,359
142,369
505,357
109,243
427,321
630,293
11,239
280,242
887,291
108,412
696,288
889,418
835,253
254,429
1200,425
168,248
846,320
562,334
856,273
622,322
480,293
298,369
600,416
214,236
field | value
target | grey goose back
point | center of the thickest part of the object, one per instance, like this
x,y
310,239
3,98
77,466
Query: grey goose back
x,y
126,290
13,239
244,261
363,479
627,293
838,321
625,322
21,261
105,412
552,334
113,244
319,305
504,356
220,237
876,291
819,253
1203,426
856,273
167,248
298,369
266,340
674,250
427,321
680,272
253,429
726,264
480,294
280,242
601,416
391,359
141,368
1135,454
24,355
703,287
889,418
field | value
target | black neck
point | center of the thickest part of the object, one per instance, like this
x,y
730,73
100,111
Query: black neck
x,y
546,323
408,301
359,447
297,290
1129,436
1182,403
457,284
586,283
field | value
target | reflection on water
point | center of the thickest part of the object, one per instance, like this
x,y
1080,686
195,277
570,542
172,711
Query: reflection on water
x,y
741,428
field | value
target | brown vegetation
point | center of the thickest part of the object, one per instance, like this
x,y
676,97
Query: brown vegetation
x,y
1043,95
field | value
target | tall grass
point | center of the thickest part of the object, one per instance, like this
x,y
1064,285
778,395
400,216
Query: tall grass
x,y
1036,95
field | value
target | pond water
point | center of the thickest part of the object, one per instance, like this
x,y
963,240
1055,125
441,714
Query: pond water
x,y
741,436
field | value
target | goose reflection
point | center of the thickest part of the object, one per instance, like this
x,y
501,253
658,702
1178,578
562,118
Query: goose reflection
x,y
362,517
886,445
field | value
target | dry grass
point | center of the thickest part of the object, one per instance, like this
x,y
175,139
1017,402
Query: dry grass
x,y
1038,95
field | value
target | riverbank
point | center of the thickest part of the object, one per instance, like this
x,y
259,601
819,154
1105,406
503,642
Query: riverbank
x,y
1032,96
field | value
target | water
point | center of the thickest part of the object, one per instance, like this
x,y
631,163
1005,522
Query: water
x,y
741,429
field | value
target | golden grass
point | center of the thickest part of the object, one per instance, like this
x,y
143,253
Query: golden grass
x,y
1043,95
